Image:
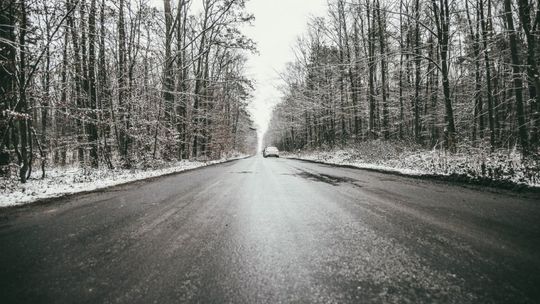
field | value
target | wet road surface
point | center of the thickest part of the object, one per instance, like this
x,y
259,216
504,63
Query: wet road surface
x,y
274,231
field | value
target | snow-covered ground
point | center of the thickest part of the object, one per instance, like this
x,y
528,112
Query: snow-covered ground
x,y
69,180
503,165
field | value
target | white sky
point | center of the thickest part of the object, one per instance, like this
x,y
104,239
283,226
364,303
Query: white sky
x,y
277,25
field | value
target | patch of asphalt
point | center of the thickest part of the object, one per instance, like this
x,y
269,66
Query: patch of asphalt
x,y
497,186
46,201
325,178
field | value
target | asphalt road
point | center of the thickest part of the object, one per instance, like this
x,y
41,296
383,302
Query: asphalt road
x,y
274,231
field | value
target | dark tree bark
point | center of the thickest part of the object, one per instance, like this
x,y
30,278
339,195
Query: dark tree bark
x,y
342,33
103,92
442,21
22,106
487,63
371,73
198,121
182,75
92,93
62,154
401,67
518,82
45,103
79,86
168,77
355,82
417,79
478,102
123,141
384,71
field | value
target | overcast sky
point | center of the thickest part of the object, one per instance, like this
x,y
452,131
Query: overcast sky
x,y
277,25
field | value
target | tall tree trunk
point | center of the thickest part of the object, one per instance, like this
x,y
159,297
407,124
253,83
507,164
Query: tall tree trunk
x,y
342,71
442,20
62,154
78,83
478,102
371,72
384,71
434,95
92,98
487,63
168,80
355,82
199,82
417,79
400,84
122,139
103,92
47,81
518,82
181,87
22,106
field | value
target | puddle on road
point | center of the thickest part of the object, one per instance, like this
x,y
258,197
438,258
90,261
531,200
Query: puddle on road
x,y
242,172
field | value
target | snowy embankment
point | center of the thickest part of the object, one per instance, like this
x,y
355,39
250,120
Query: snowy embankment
x,y
497,168
69,180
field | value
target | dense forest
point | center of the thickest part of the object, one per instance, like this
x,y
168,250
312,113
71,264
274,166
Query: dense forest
x,y
440,74
102,83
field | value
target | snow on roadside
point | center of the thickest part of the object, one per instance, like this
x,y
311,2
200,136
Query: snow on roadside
x,y
70,180
341,157
505,166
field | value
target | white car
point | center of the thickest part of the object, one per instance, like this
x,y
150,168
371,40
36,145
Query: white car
x,y
271,151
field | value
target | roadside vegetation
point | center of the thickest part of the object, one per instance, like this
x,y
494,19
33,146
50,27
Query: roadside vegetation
x,y
507,168
121,85
65,180
444,87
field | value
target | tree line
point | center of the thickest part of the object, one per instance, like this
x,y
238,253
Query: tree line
x,y
119,83
439,73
